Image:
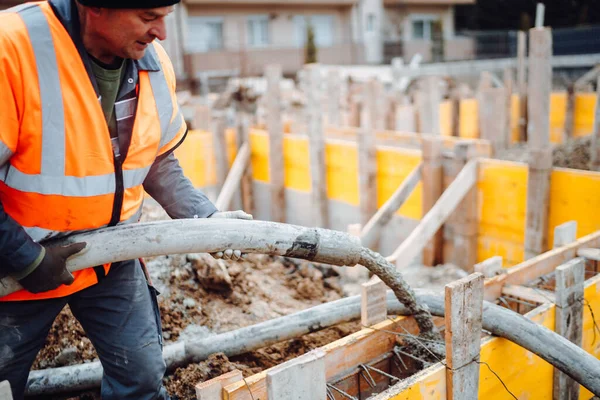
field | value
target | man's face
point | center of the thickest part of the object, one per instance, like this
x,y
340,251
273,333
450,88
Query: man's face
x,y
126,33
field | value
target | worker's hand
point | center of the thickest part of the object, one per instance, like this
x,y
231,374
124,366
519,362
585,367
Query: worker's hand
x,y
230,254
52,271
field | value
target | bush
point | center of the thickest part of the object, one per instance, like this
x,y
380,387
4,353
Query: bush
x,y
310,49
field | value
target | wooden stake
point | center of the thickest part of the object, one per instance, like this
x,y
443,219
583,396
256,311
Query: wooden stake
x,y
540,151
464,225
464,311
432,190
435,218
299,379
334,96
243,136
565,234
595,159
490,267
219,124
367,167
569,115
508,92
232,182
492,117
316,138
569,319
428,103
275,129
213,389
373,305
522,83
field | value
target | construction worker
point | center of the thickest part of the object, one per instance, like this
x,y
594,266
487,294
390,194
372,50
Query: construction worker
x,y
88,122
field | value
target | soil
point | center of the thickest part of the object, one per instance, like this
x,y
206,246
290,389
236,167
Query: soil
x,y
575,153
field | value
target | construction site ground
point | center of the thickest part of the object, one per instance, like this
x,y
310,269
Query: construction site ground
x,y
201,296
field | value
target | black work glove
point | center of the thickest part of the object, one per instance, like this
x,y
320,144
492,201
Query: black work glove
x,y
52,271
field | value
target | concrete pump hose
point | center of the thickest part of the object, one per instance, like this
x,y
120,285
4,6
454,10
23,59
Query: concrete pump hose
x,y
553,348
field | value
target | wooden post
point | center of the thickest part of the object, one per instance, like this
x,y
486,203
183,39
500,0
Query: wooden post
x,y
243,136
316,146
538,138
218,129
464,311
397,65
464,226
299,379
492,117
376,103
522,84
405,118
508,92
428,103
213,388
570,113
539,15
373,303
595,159
565,234
334,96
569,319
367,167
432,190
490,267
275,130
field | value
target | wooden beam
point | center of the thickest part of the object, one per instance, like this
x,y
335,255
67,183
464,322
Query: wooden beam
x,y
213,389
370,234
367,162
433,186
489,268
565,233
275,129
569,319
316,138
373,305
410,248
462,228
298,379
429,98
218,128
532,295
243,136
334,95
232,182
464,312
540,151
595,150
5,391
522,83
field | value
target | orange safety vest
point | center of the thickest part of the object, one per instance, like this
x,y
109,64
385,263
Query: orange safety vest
x,y
61,176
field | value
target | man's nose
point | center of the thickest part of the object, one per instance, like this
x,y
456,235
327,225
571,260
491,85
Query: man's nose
x,y
159,30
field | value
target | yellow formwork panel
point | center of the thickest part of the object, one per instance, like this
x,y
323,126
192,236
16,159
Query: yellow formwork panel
x,y
393,167
515,114
574,196
502,194
591,341
558,116
341,163
584,110
446,117
468,114
429,384
259,155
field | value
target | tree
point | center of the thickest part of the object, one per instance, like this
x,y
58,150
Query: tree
x,y
310,48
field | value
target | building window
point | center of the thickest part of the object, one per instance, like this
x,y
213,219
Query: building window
x,y
322,26
422,26
205,34
258,30
371,22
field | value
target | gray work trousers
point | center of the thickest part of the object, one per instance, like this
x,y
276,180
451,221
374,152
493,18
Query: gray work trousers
x,y
119,315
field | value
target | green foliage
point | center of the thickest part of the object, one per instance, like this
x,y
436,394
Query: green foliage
x,y
310,48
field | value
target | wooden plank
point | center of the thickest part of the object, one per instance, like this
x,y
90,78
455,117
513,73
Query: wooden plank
x,y
595,150
429,98
218,126
370,234
590,254
275,129
373,305
334,95
367,162
489,268
565,233
5,391
522,83
233,180
569,319
213,389
299,379
569,114
509,88
538,138
243,136
532,295
464,226
464,311
433,220
432,190
316,147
